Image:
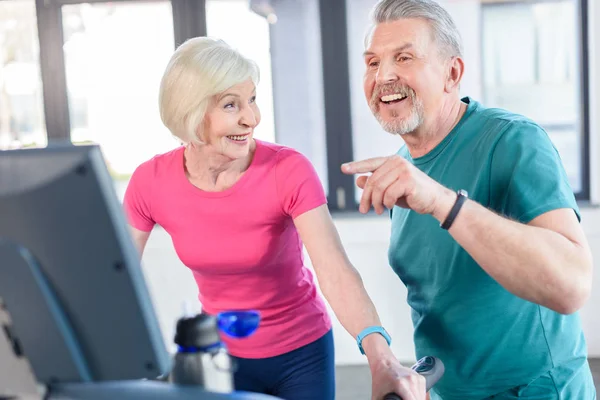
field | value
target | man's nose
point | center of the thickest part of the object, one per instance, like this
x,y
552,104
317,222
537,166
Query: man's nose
x,y
386,73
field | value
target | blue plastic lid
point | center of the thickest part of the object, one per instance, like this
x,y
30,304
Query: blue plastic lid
x,y
238,324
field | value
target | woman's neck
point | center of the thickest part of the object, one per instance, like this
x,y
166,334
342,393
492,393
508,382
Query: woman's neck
x,y
210,170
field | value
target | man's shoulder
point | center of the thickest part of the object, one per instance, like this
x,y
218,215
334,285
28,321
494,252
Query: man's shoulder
x,y
498,116
498,124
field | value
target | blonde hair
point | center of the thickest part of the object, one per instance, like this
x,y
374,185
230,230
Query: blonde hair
x,y
199,69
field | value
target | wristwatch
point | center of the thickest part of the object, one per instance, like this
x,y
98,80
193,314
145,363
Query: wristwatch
x,y
461,197
372,329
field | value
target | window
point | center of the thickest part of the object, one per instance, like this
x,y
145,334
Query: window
x,y
531,65
524,56
310,93
113,75
21,104
235,23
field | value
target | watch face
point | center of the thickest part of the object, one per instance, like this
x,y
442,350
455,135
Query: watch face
x,y
463,192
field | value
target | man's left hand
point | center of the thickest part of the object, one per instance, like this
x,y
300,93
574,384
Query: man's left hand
x,y
395,181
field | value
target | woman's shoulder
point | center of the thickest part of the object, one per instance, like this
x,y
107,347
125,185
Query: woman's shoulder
x,y
271,147
160,162
288,165
279,153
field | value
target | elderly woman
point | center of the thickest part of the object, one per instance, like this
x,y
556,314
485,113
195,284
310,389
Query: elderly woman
x,y
238,211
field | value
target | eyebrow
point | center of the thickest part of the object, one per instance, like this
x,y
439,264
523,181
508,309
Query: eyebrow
x,y
396,50
234,95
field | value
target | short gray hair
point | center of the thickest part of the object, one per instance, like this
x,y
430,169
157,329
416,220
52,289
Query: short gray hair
x,y
443,27
200,68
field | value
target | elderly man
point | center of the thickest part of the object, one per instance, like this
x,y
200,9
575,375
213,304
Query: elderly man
x,y
485,228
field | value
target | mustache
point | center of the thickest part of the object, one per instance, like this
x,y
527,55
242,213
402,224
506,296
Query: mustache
x,y
402,90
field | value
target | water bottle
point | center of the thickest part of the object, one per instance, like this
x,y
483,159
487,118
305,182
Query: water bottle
x,y
201,357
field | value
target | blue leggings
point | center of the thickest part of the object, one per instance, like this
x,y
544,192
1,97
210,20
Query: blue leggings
x,y
307,373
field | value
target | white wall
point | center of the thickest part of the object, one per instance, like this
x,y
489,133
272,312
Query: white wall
x,y
591,216
366,238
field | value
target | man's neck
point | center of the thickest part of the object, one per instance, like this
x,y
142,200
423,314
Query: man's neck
x,y
432,132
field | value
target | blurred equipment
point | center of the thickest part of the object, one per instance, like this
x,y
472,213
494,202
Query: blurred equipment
x,y
79,312
265,9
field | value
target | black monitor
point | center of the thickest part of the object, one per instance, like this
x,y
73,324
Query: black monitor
x,y
70,275
61,225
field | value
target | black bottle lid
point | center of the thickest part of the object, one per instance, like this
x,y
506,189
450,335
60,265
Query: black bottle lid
x,y
199,331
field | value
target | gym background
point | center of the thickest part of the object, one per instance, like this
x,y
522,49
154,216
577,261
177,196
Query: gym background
x,y
88,72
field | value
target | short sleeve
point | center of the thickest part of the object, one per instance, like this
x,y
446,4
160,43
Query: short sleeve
x,y
527,176
298,185
136,202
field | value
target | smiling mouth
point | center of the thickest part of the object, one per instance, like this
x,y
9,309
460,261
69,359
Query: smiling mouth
x,y
238,138
392,98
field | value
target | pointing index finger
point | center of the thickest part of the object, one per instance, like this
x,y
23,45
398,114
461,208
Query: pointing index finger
x,y
361,167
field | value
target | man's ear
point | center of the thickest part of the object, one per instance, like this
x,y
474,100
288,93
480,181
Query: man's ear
x,y
456,69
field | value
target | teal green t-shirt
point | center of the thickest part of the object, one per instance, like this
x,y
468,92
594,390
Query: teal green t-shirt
x,y
491,341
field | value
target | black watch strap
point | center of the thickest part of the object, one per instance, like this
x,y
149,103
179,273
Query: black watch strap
x,y
461,197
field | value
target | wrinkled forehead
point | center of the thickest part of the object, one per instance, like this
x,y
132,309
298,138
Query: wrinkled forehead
x,y
242,88
415,33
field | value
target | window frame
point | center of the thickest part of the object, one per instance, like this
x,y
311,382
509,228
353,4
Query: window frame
x,y
189,20
583,195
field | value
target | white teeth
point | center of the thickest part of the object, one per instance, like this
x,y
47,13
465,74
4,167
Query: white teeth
x,y
391,97
239,138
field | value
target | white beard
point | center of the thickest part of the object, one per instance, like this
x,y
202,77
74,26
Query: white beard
x,y
406,125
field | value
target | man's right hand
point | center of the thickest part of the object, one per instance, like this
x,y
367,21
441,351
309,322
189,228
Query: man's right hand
x,y
389,376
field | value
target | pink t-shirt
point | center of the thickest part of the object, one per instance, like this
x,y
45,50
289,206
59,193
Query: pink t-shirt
x,y
241,243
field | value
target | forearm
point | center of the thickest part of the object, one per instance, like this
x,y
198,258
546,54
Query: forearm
x,y
534,263
140,238
343,288
339,281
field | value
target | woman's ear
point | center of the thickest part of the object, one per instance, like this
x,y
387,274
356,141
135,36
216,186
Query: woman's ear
x,y
199,137
201,129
